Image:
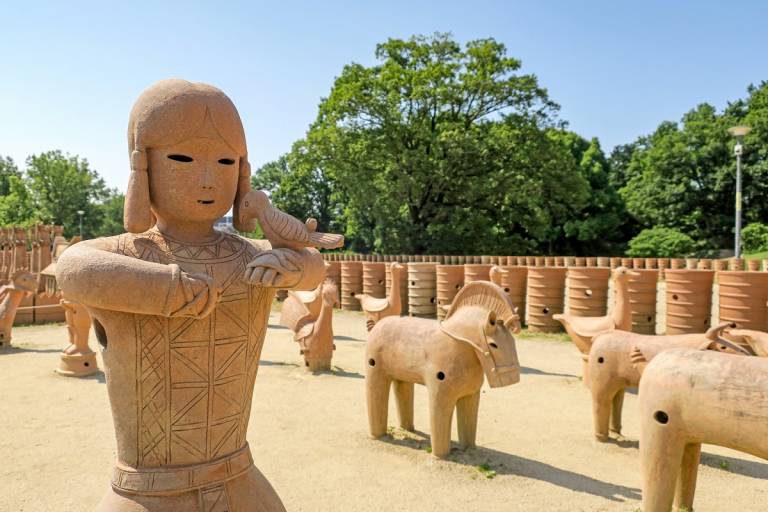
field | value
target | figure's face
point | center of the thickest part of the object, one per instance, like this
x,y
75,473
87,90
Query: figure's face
x,y
194,180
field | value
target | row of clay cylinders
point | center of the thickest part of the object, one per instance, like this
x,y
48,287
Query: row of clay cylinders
x,y
743,297
451,278
422,289
689,300
403,287
546,297
351,284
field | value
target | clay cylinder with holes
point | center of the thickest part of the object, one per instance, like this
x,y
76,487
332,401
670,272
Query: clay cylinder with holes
x,y
753,265
351,284
651,263
719,265
743,298
691,263
615,262
704,264
333,273
477,273
513,280
604,261
546,296
689,300
450,279
422,290
638,262
373,279
641,289
403,286
588,290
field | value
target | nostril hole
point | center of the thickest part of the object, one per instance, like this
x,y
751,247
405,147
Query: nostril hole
x,y
600,360
371,362
440,376
661,417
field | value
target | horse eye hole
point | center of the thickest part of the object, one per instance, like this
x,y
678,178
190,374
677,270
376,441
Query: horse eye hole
x,y
181,158
226,161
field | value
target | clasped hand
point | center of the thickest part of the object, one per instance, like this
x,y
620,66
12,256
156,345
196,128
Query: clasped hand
x,y
275,268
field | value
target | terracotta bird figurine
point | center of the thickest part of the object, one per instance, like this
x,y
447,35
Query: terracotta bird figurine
x,y
582,329
377,308
282,230
755,340
315,334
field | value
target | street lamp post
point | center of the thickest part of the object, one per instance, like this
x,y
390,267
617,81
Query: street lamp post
x,y
81,213
738,132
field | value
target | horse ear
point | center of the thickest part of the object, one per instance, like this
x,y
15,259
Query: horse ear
x,y
137,214
243,187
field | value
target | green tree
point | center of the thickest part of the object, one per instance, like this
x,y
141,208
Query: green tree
x,y
8,169
661,242
441,149
16,208
110,215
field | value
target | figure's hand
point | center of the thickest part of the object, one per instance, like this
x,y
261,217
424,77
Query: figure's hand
x,y
276,268
195,296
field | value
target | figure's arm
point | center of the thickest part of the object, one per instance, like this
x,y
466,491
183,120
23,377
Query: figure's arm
x,y
285,268
91,273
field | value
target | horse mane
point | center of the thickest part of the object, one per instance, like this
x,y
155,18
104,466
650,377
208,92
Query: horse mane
x,y
485,295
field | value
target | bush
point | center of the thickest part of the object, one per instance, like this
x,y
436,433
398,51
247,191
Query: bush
x,y
661,243
754,237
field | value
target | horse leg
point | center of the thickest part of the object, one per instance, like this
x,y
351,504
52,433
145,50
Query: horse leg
x,y
377,395
404,400
466,419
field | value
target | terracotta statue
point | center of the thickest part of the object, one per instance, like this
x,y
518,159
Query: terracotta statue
x,y
180,309
298,303
757,341
315,333
19,260
582,329
22,283
77,360
612,369
689,397
449,357
375,309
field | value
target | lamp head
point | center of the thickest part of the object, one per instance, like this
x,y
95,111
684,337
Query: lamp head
x,y
739,131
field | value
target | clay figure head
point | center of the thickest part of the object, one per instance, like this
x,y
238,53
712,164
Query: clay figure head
x,y
622,274
23,281
483,316
330,294
189,139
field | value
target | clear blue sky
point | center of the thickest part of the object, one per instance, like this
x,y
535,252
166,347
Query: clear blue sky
x,y
71,70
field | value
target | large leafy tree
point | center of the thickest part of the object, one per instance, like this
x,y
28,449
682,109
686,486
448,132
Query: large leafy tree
x,y
437,149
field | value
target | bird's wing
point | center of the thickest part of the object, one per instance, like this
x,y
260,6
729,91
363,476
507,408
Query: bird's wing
x,y
326,240
304,328
287,226
373,304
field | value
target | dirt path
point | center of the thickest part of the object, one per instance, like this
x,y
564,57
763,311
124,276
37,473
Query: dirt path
x,y
308,434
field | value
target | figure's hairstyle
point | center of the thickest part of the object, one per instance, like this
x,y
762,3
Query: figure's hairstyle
x,y
170,112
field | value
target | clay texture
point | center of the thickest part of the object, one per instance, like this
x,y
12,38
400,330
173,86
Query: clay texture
x,y
22,284
375,308
315,333
448,357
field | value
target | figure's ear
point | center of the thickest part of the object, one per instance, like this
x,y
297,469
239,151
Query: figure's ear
x,y
137,215
243,187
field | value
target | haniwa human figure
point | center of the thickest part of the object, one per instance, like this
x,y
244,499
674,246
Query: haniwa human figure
x,y
180,309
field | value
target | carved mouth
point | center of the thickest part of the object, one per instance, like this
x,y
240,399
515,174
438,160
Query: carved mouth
x,y
206,201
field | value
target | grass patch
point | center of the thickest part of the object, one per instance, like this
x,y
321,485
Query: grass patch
x,y
525,334
756,256
724,465
486,471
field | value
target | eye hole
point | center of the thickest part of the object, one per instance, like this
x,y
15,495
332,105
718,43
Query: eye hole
x,y
226,161
181,158
493,345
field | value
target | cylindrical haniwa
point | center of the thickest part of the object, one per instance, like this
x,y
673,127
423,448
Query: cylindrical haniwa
x,y
513,280
450,279
403,286
374,279
477,272
689,300
351,284
546,295
743,298
641,288
333,273
588,290
422,289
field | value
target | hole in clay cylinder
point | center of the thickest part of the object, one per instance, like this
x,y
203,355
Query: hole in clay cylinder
x,y
101,334
306,363
181,158
600,360
86,364
650,319
351,294
674,296
381,282
432,300
506,290
588,293
458,286
413,283
371,362
440,376
661,417
545,310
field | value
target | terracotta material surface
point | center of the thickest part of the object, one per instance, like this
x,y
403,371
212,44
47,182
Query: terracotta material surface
x,y
689,397
583,329
180,310
333,274
77,360
315,333
689,300
448,357
587,290
422,289
351,284
742,298
642,291
376,308
514,283
755,341
450,279
403,285
476,272
22,284
546,296
612,369
374,279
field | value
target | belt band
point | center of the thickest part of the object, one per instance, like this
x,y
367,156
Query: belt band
x,y
164,480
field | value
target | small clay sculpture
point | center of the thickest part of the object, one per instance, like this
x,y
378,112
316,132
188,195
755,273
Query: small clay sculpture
x,y
448,357
22,283
689,397
611,367
77,360
283,230
375,309
315,334
757,341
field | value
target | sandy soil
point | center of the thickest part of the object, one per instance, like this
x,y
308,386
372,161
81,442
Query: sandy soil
x,y
308,434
